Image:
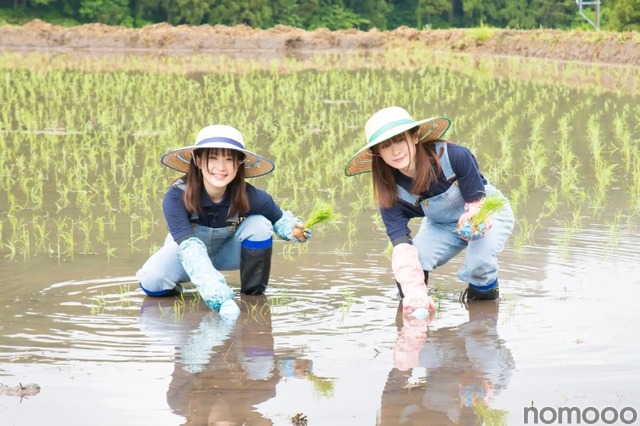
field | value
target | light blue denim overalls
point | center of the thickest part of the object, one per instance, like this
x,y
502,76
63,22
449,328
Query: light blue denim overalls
x,y
164,269
438,242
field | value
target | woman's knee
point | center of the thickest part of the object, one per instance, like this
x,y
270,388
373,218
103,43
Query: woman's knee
x,y
152,283
255,228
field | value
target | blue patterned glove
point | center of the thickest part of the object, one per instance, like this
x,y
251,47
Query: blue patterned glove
x,y
196,352
285,226
209,282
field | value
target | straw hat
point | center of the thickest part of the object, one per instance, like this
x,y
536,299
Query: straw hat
x,y
218,136
389,122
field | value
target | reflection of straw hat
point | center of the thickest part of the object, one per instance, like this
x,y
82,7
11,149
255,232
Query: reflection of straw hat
x,y
218,136
389,122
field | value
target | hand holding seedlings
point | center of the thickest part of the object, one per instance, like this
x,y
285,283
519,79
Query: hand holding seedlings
x,y
321,212
214,169
476,221
416,172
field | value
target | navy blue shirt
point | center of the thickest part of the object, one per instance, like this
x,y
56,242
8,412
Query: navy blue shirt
x,y
470,182
179,220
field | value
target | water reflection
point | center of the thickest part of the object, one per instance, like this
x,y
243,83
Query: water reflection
x,y
449,375
222,369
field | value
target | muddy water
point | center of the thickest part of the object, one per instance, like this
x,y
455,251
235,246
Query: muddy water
x,y
325,342
326,345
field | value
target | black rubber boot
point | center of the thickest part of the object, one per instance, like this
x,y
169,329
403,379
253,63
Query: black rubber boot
x,y
426,281
255,267
473,294
176,291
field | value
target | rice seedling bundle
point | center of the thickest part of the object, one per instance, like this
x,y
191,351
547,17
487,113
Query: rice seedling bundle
x,y
474,227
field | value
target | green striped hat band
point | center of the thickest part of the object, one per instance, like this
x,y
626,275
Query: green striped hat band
x,y
389,126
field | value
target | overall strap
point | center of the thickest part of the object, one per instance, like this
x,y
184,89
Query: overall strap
x,y
407,196
180,184
443,153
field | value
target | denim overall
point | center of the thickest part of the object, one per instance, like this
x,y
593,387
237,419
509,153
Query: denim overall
x,y
164,269
438,242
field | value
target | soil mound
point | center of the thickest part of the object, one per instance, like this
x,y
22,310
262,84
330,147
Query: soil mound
x,y
597,47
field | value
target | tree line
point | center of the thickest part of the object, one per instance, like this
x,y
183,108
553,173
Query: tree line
x,y
615,15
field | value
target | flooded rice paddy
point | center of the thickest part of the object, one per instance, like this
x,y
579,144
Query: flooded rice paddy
x,y
80,212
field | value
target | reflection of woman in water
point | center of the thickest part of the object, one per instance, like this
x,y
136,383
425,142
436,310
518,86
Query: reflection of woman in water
x,y
222,369
462,368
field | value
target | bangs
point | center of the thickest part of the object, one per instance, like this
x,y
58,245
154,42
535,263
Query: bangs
x,y
397,138
224,152
400,137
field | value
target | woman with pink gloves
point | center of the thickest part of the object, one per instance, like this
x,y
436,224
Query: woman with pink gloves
x,y
416,173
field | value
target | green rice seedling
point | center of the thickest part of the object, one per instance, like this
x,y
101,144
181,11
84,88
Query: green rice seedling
x,y
347,302
342,251
99,306
110,251
498,170
85,230
568,167
280,299
40,233
25,241
604,178
252,309
289,250
538,161
321,387
524,235
634,185
564,241
550,205
321,212
123,291
436,293
100,225
593,134
10,245
194,302
352,230
614,232
524,186
179,306
623,136
388,250
512,304
491,205
69,244
488,416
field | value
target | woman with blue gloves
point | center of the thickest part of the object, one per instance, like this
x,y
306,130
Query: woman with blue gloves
x,y
217,221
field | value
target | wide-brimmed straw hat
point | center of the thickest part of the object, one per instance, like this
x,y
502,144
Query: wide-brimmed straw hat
x,y
218,136
389,122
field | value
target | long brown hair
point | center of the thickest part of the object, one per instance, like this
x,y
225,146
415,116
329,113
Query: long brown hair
x,y
194,182
427,167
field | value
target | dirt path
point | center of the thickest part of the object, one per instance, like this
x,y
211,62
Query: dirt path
x,y
597,47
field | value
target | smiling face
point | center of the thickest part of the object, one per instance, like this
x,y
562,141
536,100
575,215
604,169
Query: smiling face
x,y
399,152
219,167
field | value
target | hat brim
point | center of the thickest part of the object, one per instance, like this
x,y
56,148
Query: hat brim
x,y
254,164
431,129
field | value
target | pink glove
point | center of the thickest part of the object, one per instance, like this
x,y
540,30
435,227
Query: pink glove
x,y
409,274
411,340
